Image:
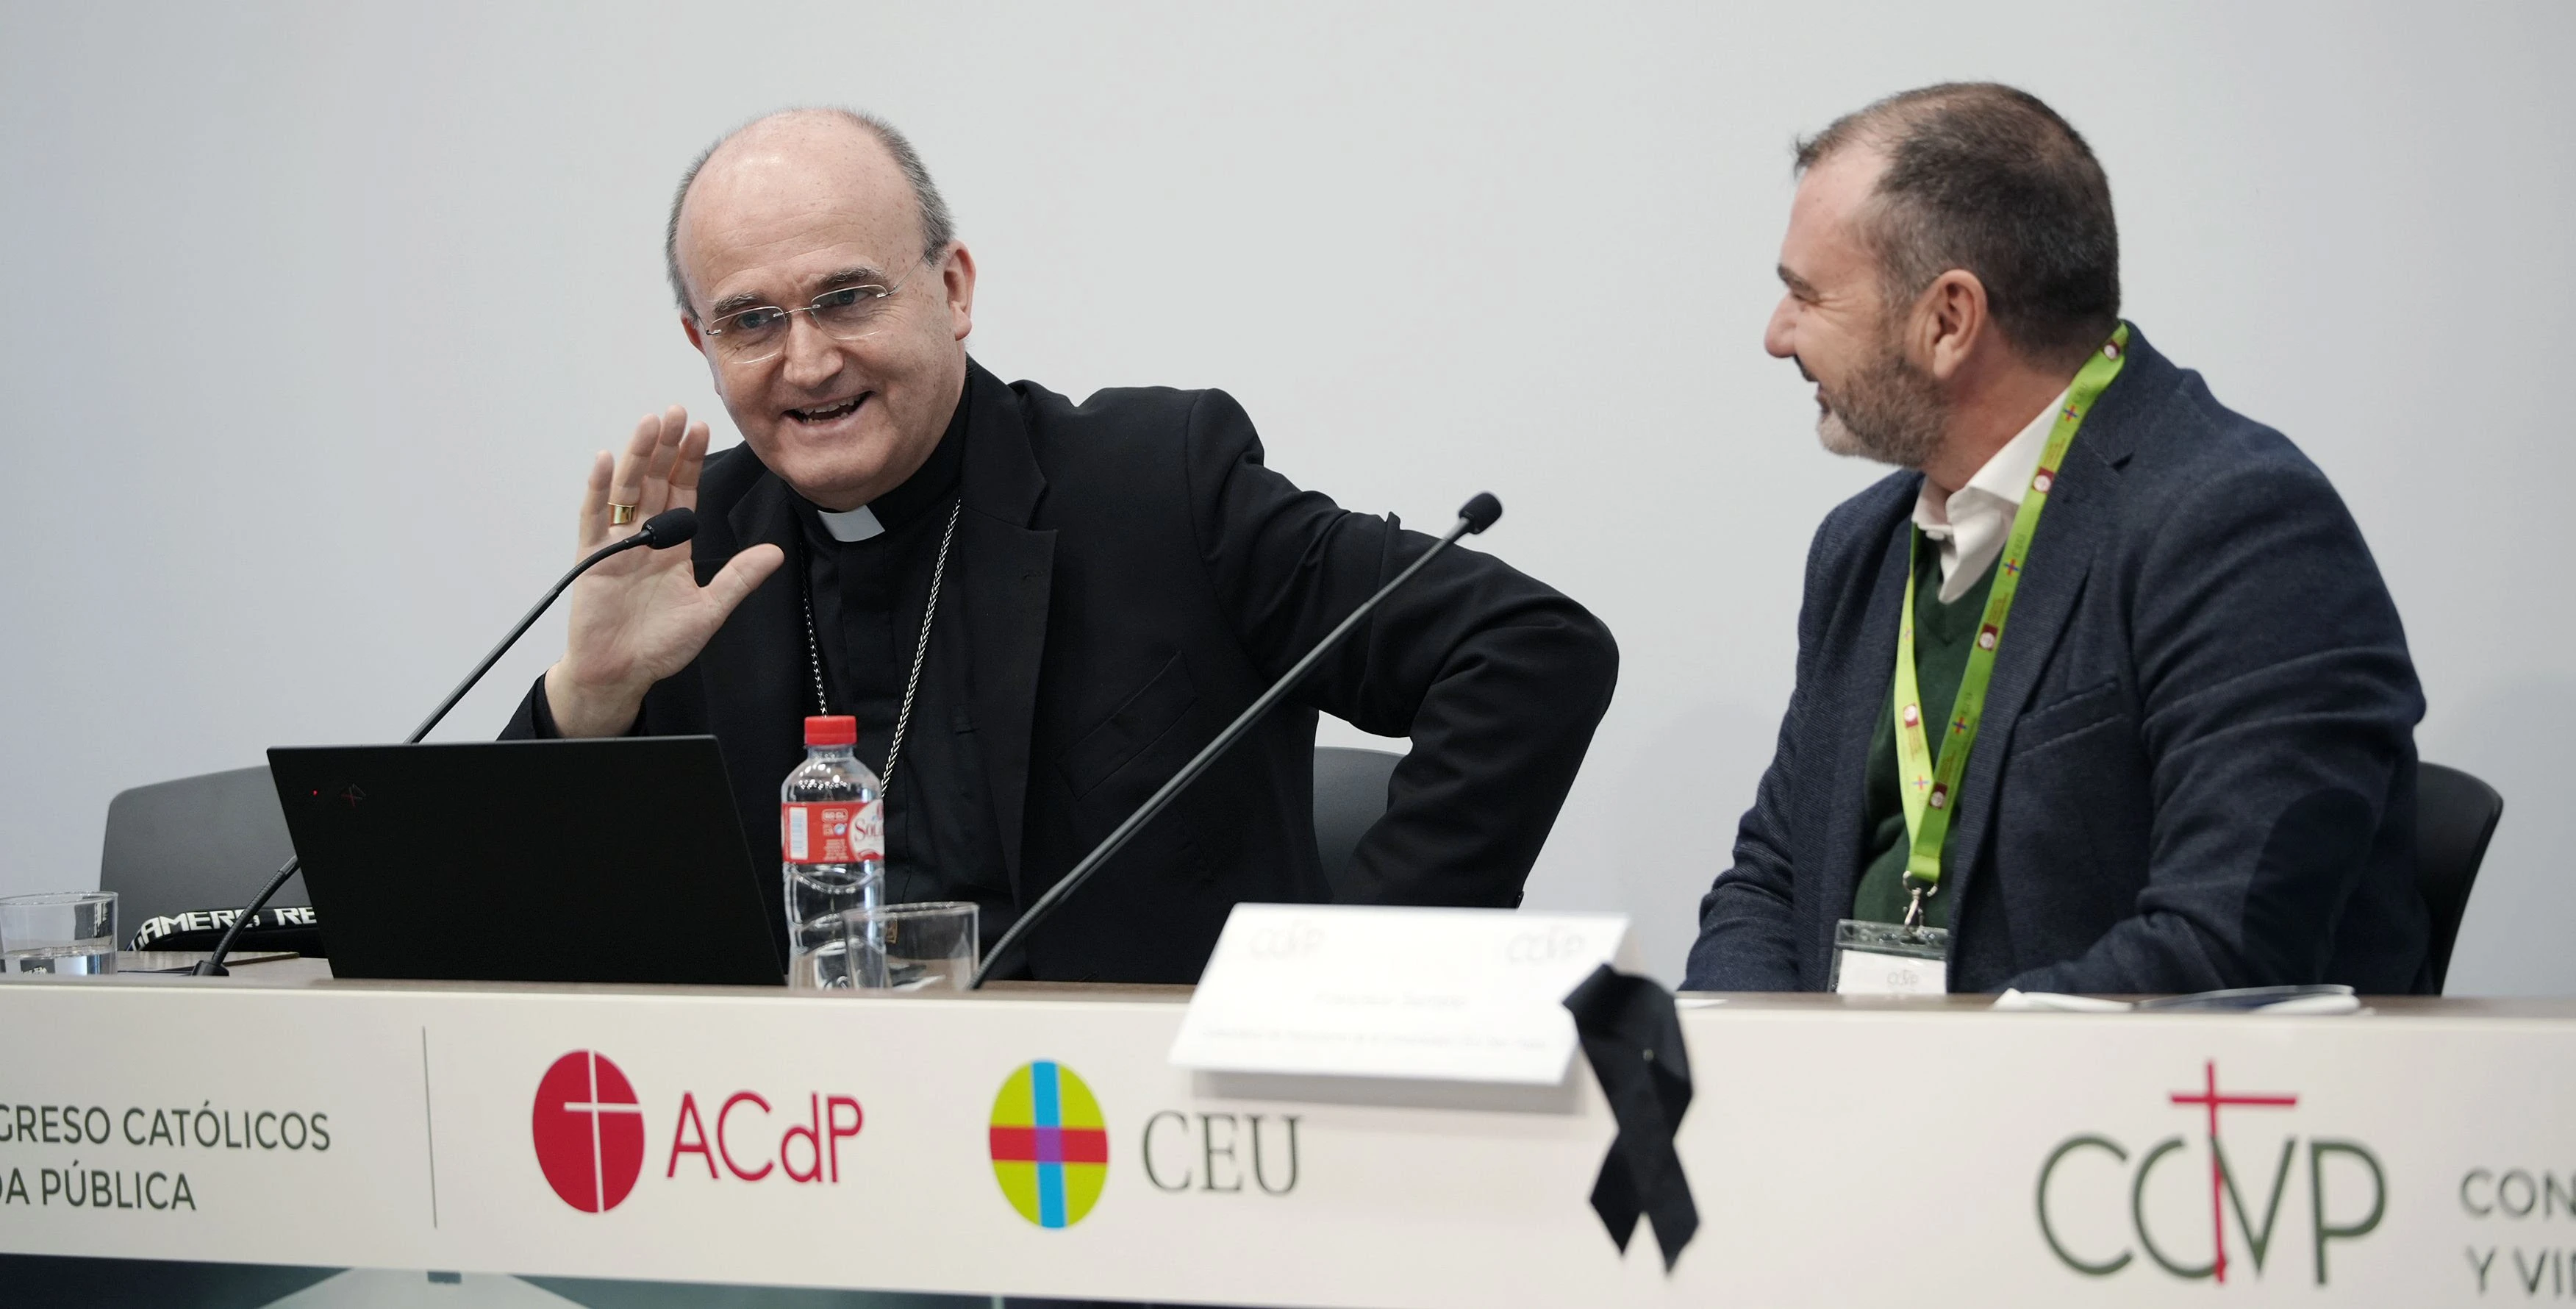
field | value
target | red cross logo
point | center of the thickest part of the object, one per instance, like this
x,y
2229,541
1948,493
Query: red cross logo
x,y
2210,1096
589,1131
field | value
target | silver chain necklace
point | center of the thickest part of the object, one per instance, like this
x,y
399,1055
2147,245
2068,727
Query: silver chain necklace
x,y
920,649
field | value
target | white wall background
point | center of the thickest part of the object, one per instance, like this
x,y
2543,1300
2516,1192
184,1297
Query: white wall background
x,y
314,314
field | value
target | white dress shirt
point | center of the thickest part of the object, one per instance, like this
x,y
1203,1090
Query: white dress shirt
x,y
1970,524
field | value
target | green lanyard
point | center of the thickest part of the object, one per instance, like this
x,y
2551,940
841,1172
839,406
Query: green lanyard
x,y
1929,790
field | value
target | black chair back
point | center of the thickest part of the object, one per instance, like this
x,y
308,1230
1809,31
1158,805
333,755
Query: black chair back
x,y
2455,817
204,842
1350,796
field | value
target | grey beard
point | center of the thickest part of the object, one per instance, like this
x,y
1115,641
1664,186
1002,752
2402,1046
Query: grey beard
x,y
1890,413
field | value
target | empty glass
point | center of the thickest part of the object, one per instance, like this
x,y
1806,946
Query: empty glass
x,y
66,932
926,946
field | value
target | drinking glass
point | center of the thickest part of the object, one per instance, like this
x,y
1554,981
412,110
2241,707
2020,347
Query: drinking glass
x,y
926,946
66,932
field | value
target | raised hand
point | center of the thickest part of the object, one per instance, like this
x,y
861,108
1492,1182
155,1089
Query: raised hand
x,y
641,616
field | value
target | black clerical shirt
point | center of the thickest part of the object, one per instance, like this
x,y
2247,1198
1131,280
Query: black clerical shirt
x,y
867,601
1128,576
867,598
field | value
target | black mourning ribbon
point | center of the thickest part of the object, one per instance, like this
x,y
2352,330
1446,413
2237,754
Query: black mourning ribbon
x,y
1633,1038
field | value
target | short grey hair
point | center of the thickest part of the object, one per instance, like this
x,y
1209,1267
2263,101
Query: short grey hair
x,y
938,228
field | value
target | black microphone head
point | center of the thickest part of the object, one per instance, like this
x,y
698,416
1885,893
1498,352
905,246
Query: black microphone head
x,y
1481,512
673,526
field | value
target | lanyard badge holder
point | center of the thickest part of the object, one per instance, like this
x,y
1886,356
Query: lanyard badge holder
x,y
1912,957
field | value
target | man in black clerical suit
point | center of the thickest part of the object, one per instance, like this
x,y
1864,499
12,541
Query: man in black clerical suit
x,y
1115,580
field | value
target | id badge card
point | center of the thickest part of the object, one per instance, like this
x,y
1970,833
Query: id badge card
x,y
1889,959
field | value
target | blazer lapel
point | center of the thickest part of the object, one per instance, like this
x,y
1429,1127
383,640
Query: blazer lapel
x,y
1008,570
2061,555
1863,690
761,693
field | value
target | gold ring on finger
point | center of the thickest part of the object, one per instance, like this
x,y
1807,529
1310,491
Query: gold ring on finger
x,y
620,515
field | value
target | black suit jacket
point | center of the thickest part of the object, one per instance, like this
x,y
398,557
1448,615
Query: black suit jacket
x,y
2197,766
1127,577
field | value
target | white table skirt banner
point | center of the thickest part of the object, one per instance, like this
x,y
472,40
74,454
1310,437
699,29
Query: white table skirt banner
x,y
1047,1146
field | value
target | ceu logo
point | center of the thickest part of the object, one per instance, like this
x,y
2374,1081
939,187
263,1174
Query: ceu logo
x,y
1050,1147
589,1131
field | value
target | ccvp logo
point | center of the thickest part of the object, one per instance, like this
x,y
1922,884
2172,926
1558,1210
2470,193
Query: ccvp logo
x,y
589,1131
1050,1146
2081,1194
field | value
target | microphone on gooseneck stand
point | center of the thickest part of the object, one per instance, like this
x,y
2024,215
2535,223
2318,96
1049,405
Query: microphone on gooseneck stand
x,y
659,532
1475,516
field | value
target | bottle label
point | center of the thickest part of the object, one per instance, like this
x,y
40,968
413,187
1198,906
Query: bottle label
x,y
832,833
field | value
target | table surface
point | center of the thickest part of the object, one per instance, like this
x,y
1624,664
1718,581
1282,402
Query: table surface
x,y
273,971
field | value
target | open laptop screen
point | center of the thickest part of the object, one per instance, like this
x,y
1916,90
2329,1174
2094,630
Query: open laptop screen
x,y
619,860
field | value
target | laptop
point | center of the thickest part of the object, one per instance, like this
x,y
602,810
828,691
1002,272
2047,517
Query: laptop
x,y
619,860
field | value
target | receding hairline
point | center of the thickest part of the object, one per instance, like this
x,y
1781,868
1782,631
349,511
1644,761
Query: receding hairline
x,y
1880,124
930,209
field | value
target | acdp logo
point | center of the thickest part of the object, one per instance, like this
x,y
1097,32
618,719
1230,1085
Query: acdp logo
x,y
2087,1179
589,1131
1050,1146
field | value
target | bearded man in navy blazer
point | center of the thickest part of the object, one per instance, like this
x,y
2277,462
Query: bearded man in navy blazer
x,y
2195,766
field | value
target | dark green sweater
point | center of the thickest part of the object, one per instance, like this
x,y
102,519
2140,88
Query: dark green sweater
x,y
1943,635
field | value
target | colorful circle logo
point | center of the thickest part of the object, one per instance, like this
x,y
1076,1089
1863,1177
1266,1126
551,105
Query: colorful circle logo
x,y
589,1131
1050,1146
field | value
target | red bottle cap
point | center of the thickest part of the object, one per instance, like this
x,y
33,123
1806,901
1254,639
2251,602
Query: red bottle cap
x,y
831,729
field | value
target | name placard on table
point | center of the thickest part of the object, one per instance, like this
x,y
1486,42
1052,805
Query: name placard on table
x,y
1451,995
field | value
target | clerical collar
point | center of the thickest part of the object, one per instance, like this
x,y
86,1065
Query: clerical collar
x,y
928,488
851,524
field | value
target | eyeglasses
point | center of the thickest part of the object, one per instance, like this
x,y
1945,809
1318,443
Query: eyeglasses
x,y
757,334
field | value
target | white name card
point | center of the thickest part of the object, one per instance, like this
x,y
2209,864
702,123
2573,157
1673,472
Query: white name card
x,y
1455,995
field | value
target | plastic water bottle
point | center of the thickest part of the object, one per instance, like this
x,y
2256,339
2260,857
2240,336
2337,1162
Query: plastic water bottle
x,y
832,838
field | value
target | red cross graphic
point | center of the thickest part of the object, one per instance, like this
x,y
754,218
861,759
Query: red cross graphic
x,y
588,1130
595,1107
2210,1097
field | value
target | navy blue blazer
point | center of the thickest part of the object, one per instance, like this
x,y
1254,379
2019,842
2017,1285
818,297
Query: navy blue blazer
x,y
2197,767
